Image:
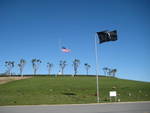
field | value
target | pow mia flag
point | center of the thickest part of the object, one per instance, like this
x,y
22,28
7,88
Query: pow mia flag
x,y
106,36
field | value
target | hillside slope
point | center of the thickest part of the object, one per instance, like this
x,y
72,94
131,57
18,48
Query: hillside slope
x,y
70,90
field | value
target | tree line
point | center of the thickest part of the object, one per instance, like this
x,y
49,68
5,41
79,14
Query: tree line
x,y
36,64
62,65
109,72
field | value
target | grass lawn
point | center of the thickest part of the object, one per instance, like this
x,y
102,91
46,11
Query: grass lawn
x,y
70,90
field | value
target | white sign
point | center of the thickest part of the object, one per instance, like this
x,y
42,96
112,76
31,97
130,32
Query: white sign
x,y
112,93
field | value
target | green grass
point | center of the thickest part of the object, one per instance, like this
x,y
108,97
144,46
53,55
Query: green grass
x,y
69,90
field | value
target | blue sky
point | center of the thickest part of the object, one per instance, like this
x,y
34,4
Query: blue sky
x,y
38,28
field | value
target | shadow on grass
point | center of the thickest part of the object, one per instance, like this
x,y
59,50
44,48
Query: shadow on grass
x,y
69,94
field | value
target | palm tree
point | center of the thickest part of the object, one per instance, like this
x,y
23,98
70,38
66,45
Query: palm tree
x,y
35,65
9,65
21,66
87,67
76,64
49,66
62,65
105,69
113,71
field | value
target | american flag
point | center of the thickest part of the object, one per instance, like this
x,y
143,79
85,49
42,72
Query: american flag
x,y
63,49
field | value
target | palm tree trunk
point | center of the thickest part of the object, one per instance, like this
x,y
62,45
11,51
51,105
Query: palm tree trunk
x,y
21,74
87,72
34,72
49,71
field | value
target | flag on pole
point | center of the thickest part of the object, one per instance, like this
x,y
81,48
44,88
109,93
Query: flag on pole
x,y
66,50
106,36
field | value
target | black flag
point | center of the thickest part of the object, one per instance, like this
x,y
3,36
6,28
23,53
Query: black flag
x,y
106,36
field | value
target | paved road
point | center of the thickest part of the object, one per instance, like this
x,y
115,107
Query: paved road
x,y
140,107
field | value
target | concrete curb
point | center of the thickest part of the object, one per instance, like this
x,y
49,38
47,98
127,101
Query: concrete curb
x,y
79,104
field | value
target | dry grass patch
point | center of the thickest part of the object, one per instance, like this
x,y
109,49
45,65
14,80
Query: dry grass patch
x,y
4,80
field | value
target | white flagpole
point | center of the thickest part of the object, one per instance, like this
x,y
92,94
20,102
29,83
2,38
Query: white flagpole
x,y
97,68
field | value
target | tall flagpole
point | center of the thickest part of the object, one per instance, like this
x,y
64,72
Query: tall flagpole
x,y
97,68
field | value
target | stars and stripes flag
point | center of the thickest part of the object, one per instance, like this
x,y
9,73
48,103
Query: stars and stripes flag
x,y
65,50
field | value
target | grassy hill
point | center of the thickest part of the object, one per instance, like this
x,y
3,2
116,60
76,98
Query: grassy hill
x,y
70,90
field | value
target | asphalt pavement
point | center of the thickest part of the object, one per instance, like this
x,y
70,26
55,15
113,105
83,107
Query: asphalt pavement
x,y
129,107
